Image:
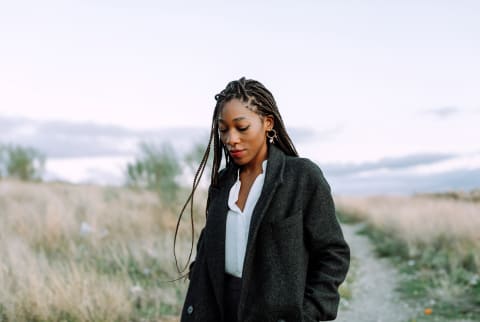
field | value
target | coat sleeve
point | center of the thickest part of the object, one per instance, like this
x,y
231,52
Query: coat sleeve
x,y
199,247
329,254
199,242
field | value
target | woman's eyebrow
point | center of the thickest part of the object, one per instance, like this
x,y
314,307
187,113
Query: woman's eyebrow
x,y
235,119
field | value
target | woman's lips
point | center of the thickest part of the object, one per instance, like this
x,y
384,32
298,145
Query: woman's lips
x,y
236,153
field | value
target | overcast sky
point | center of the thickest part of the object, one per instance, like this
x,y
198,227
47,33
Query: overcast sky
x,y
362,81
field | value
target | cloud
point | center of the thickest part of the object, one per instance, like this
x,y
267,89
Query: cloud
x,y
444,112
392,183
386,163
329,134
301,135
400,175
7,124
60,139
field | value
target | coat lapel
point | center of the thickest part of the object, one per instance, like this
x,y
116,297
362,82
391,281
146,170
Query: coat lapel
x,y
215,242
273,178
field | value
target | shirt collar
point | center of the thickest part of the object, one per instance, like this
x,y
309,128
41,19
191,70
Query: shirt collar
x,y
264,168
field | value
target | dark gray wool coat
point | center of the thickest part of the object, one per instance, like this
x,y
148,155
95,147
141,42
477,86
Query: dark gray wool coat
x,y
296,255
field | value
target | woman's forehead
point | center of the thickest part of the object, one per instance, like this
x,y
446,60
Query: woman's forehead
x,y
236,110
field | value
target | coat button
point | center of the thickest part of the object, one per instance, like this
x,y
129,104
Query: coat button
x,y
190,309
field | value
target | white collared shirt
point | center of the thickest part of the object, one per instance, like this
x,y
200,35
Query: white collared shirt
x,y
238,223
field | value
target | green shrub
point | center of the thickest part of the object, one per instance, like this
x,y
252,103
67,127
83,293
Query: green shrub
x,y
21,162
194,157
156,169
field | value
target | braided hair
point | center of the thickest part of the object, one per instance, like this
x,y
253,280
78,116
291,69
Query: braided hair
x,y
261,101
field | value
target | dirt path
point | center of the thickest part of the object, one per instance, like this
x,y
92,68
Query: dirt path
x,y
374,298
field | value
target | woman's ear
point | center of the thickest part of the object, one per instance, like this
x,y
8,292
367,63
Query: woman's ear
x,y
268,122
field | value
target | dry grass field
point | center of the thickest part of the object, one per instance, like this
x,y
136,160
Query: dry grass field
x,y
88,253
434,239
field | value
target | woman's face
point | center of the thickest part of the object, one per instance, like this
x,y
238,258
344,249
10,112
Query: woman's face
x,y
243,132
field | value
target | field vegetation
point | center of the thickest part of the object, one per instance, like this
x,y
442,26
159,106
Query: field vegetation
x,y
23,163
434,240
88,253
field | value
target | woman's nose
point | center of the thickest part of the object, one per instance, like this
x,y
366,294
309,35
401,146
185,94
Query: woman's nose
x,y
232,138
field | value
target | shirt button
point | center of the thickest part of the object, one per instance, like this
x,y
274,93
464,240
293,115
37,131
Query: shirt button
x,y
190,309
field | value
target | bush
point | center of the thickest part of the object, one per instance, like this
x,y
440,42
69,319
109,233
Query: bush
x,y
156,169
21,162
194,157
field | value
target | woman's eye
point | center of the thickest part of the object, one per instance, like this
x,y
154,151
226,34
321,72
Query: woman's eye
x,y
241,129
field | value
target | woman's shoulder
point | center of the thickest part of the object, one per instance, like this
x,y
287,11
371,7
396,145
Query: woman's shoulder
x,y
306,169
303,164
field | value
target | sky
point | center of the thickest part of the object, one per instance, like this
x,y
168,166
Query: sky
x,y
382,94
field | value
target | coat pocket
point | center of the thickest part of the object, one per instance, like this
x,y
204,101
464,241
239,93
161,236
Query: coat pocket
x,y
289,222
287,237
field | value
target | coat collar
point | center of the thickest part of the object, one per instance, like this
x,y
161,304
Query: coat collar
x,y
217,219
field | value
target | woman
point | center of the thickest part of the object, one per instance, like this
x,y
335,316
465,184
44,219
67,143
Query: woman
x,y
271,248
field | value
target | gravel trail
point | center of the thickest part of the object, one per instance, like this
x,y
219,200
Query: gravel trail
x,y
374,298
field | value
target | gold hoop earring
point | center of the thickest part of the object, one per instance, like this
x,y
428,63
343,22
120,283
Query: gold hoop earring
x,y
271,137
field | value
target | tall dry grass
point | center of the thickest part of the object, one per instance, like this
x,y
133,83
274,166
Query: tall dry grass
x,y
420,221
435,241
88,253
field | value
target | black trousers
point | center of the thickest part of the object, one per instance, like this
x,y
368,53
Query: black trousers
x,y
233,286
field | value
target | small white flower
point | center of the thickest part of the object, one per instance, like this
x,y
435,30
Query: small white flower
x,y
474,280
85,228
411,262
136,289
104,233
152,253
